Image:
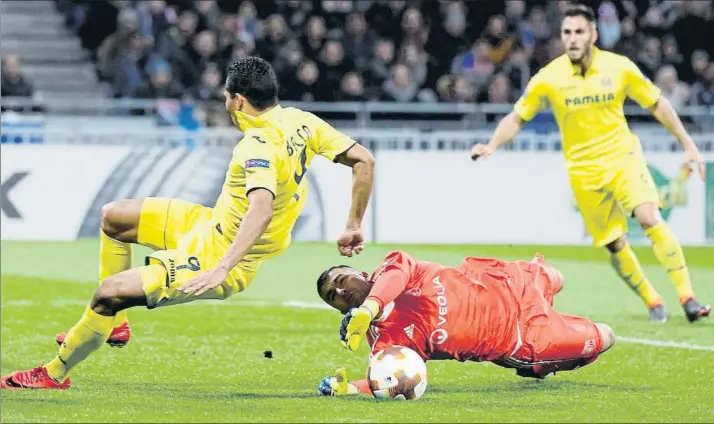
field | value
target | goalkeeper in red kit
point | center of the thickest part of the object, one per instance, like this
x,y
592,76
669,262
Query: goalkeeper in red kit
x,y
482,310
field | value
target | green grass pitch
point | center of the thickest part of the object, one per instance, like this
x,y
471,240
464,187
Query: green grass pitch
x,y
204,362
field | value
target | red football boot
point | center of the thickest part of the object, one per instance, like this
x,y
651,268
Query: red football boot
x,y
36,378
119,338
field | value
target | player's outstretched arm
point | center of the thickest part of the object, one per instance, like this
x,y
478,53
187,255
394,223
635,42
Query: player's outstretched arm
x,y
337,385
362,163
255,221
667,116
338,147
506,131
532,101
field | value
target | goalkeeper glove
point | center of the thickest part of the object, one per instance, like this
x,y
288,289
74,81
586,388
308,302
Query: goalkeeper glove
x,y
336,385
356,323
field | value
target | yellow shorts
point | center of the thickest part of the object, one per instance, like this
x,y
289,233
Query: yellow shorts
x,y
606,201
182,234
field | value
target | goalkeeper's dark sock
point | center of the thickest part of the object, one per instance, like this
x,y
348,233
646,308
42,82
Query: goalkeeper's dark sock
x,y
629,269
669,253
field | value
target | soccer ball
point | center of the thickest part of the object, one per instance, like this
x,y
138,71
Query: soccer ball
x,y
397,373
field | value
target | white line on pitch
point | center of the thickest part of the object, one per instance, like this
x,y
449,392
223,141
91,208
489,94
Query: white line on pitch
x,y
663,343
324,306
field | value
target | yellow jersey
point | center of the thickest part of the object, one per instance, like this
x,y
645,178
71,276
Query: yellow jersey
x,y
275,153
588,108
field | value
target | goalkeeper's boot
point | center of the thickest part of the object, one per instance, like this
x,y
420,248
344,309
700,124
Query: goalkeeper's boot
x,y
695,310
658,314
119,338
36,378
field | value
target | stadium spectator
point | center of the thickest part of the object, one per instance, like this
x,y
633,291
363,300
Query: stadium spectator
x,y
463,91
671,55
308,85
175,38
475,64
290,55
608,25
538,27
334,64
210,13
501,42
650,59
161,85
653,23
705,93
699,64
515,13
359,40
415,59
248,27
628,44
155,18
211,86
296,12
676,91
114,48
400,87
385,18
449,39
413,29
382,61
14,83
437,41
314,37
352,88
498,90
276,34
128,70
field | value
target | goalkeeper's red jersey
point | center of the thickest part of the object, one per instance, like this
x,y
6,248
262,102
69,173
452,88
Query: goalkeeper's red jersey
x,y
468,312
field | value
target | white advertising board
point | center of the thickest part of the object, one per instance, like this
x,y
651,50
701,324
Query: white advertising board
x,y
444,197
54,193
330,198
47,190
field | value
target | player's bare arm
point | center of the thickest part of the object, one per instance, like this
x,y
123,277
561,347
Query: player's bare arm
x,y
506,131
362,163
665,114
256,220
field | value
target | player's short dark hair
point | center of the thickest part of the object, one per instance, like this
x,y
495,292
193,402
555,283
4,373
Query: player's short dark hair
x,y
323,277
254,79
580,10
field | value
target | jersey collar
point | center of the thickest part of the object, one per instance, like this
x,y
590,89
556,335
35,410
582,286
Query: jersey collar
x,y
594,64
249,121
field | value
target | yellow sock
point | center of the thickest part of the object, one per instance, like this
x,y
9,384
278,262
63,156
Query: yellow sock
x,y
628,267
88,335
669,253
114,257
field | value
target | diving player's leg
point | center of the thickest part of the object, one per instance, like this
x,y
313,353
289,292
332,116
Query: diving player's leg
x,y
117,293
607,224
638,195
563,343
154,222
118,228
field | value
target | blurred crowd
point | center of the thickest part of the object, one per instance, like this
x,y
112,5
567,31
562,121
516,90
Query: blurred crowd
x,y
391,50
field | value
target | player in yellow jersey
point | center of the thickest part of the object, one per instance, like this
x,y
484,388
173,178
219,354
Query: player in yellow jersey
x,y
212,253
586,88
